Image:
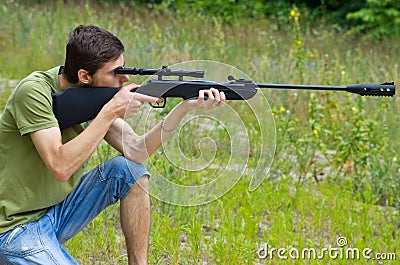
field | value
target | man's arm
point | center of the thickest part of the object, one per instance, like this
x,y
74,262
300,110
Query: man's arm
x,y
138,148
64,159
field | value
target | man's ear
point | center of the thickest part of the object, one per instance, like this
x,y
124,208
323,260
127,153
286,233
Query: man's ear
x,y
84,76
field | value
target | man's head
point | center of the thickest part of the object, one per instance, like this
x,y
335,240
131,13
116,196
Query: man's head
x,y
89,48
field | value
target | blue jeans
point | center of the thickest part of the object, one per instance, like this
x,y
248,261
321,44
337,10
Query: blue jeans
x,y
41,242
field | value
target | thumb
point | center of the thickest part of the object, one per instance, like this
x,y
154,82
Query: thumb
x,y
146,98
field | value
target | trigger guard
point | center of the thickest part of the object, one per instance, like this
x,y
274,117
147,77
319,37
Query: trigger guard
x,y
158,105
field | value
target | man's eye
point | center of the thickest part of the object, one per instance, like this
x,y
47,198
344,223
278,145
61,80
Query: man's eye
x,y
115,70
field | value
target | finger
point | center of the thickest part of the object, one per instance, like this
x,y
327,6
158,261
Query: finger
x,y
222,99
131,112
135,103
130,86
216,95
146,98
201,94
209,94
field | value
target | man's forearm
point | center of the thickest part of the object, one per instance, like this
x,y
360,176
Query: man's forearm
x,y
65,159
138,148
164,129
79,149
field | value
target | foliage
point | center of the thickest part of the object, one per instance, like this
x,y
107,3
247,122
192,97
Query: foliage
x,y
378,18
230,11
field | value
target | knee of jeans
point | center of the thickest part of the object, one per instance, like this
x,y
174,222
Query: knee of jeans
x,y
121,170
118,162
126,174
141,187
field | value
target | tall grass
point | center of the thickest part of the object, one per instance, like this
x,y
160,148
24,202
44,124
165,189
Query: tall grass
x,y
336,166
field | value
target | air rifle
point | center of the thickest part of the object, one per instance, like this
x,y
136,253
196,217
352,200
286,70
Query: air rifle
x,y
75,105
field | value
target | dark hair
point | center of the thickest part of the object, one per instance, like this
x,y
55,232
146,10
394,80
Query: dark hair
x,y
89,48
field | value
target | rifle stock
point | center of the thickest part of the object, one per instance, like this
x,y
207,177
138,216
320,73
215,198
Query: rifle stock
x,y
75,105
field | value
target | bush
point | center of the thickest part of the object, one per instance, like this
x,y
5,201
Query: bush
x,y
379,18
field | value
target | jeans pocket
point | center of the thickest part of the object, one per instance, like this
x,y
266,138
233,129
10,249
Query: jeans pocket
x,y
14,233
23,240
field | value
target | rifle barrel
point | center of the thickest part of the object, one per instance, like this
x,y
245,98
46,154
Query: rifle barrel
x,y
387,89
307,87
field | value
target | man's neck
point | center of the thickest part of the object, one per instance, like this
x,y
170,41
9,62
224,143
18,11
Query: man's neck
x,y
64,82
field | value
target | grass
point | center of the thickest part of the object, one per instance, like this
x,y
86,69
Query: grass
x,y
336,165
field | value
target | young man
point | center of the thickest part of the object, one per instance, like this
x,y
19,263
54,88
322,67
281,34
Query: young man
x,y
44,198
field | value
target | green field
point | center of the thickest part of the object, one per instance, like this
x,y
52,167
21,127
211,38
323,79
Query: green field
x,y
335,172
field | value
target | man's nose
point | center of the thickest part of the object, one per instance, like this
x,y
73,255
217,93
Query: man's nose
x,y
124,78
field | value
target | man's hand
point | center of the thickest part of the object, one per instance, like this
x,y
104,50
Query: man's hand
x,y
126,104
207,99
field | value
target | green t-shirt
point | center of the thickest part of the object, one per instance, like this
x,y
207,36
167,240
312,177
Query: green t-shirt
x,y
27,187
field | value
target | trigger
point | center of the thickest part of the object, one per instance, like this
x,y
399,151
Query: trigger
x,y
158,105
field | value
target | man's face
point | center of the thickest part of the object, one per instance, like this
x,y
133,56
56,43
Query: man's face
x,y
106,77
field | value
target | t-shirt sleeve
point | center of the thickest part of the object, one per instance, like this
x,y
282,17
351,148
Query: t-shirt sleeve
x,y
33,108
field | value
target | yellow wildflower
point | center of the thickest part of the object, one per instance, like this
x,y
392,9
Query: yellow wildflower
x,y
348,166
